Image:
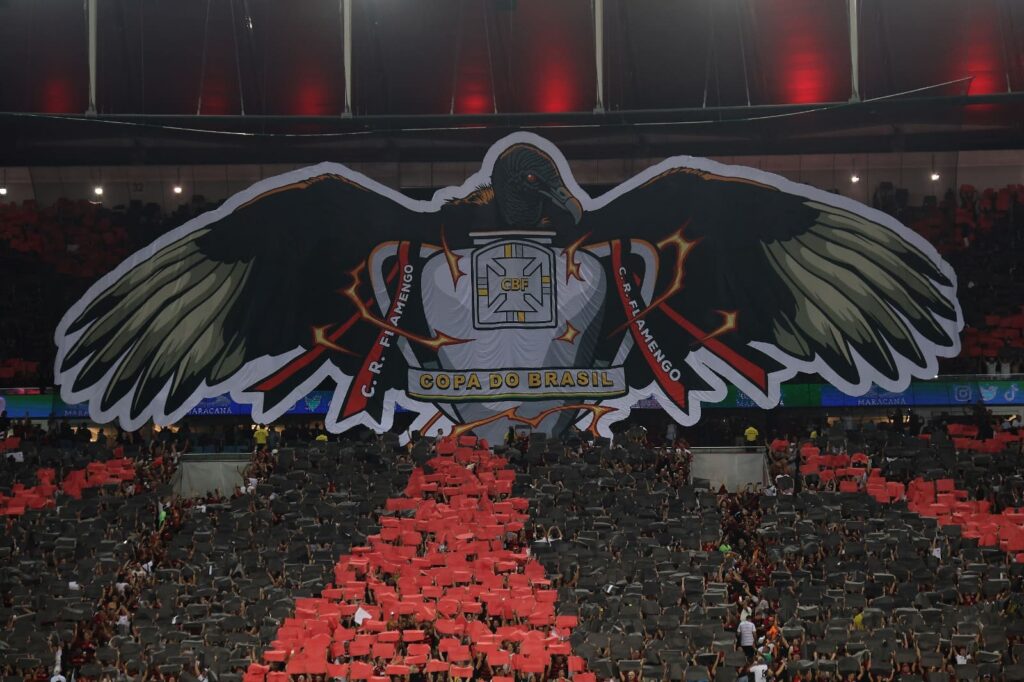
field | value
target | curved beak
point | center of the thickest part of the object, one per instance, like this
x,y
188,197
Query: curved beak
x,y
564,199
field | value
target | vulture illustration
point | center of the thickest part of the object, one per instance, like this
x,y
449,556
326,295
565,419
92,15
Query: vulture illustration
x,y
689,276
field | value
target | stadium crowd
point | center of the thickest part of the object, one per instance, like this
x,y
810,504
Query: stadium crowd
x,y
656,577
130,582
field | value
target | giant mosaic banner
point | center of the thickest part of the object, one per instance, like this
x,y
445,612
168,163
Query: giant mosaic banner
x,y
514,298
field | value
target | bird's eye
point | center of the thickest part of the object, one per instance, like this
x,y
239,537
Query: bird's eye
x,y
531,178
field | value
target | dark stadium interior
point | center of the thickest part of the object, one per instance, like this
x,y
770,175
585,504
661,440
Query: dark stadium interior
x,y
831,537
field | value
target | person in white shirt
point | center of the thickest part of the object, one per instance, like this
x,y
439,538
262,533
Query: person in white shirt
x,y
758,670
57,677
746,633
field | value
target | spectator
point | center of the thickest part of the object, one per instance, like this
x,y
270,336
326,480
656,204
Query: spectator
x,y
260,436
746,635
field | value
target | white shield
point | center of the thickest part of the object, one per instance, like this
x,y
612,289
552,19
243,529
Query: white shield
x,y
522,306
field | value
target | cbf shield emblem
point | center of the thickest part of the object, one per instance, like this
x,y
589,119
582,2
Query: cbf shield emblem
x,y
514,286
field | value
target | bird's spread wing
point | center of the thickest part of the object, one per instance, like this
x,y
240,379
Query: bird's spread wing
x,y
760,278
230,298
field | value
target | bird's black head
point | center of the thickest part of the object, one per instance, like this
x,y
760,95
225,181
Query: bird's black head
x,y
527,185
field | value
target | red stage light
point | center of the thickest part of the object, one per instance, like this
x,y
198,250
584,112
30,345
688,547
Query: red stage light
x,y
474,89
805,67
806,83
215,100
553,57
556,89
805,44
473,103
983,59
310,100
58,96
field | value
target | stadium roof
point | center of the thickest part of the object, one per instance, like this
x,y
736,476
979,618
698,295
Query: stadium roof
x,y
726,75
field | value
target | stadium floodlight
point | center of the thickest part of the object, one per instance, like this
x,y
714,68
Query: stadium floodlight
x,y
854,178
935,176
97,190
178,189
3,191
